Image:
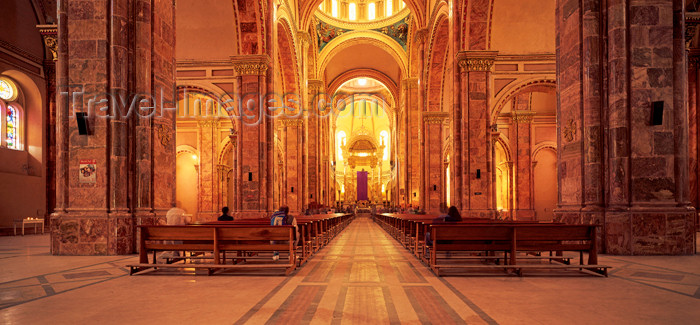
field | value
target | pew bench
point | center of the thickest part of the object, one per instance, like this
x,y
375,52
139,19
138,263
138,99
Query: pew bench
x,y
514,241
217,240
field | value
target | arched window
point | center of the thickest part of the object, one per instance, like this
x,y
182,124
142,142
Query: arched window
x,y
384,139
10,115
371,11
339,142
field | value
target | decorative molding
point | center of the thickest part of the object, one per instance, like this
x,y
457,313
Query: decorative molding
x,y
569,130
50,35
522,116
435,117
287,122
692,20
20,52
164,134
250,65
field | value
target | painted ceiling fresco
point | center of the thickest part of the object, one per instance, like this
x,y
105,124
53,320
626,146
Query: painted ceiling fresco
x,y
397,31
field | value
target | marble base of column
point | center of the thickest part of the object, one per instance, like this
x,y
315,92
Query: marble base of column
x,y
92,233
639,230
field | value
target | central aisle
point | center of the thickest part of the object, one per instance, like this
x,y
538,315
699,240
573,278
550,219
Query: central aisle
x,y
364,276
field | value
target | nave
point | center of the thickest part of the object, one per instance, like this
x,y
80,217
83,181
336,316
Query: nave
x,y
362,276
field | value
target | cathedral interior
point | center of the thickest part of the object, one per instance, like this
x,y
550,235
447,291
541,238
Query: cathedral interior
x,y
113,112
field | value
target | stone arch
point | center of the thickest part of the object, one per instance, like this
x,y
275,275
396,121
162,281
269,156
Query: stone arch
x,y
531,85
249,20
436,63
476,26
373,38
287,59
370,73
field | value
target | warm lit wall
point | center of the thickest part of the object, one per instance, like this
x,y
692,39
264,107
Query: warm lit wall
x,y
205,30
22,174
545,181
523,26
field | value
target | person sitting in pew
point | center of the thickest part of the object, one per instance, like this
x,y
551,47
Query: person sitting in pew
x,y
225,216
451,216
282,217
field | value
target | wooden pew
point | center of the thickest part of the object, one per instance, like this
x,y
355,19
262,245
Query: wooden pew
x,y
215,239
512,238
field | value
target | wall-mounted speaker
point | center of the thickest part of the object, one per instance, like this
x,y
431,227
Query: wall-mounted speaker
x,y
250,176
81,119
292,189
657,113
434,187
478,173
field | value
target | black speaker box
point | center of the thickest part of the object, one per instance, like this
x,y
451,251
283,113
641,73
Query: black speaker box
x,y
81,118
657,113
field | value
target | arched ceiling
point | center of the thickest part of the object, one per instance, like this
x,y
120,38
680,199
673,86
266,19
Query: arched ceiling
x,y
362,55
205,30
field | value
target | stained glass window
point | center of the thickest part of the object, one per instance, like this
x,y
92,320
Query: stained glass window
x,y
7,90
11,127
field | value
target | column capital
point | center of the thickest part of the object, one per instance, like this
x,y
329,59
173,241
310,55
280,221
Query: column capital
x,y
435,117
421,35
50,35
476,60
315,84
522,116
410,83
250,65
287,122
304,38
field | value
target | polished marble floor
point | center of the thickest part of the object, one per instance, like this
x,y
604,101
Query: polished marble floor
x,y
362,277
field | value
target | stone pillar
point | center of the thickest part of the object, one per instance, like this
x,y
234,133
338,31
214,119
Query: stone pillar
x,y
477,197
313,147
50,35
434,133
412,125
208,138
106,181
521,133
294,176
694,126
254,137
616,168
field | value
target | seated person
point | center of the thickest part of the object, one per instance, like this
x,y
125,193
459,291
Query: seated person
x,y
282,217
225,216
451,216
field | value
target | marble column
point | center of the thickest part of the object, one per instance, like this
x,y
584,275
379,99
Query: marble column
x,y
208,142
50,35
617,168
477,196
521,133
412,121
434,134
294,176
693,126
108,181
254,137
